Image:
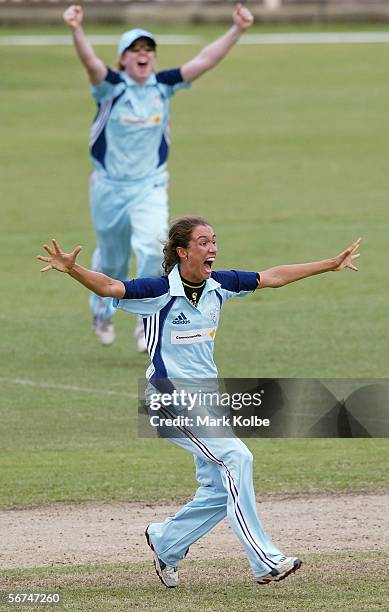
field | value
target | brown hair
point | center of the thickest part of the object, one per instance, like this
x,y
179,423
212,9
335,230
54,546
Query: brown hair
x,y
180,233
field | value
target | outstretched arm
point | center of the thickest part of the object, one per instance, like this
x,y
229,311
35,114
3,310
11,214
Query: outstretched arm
x,y
102,285
213,53
283,275
95,68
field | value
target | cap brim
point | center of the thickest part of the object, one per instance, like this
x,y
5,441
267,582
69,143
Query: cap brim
x,y
141,38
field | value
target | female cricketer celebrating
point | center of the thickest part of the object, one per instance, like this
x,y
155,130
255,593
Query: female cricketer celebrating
x,y
192,292
129,144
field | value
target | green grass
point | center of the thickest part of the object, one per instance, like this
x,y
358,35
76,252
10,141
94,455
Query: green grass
x,y
352,582
131,469
284,149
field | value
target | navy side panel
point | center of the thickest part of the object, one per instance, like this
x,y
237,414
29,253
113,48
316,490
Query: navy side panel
x,y
163,151
160,368
99,147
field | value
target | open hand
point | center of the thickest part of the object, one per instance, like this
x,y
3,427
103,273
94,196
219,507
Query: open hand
x,y
57,259
346,258
73,16
242,16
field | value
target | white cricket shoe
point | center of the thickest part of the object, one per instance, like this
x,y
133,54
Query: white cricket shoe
x,y
139,336
167,574
104,330
285,567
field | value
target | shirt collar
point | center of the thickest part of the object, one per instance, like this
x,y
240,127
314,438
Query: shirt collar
x,y
177,288
152,80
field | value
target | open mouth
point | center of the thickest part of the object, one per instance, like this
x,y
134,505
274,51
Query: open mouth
x,y
142,63
208,263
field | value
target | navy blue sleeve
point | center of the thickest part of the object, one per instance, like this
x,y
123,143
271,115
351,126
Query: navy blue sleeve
x,y
236,280
170,77
113,77
140,288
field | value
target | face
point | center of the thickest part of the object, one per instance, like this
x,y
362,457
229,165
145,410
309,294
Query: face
x,y
139,60
197,259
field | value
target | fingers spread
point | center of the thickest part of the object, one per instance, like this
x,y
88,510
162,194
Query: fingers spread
x,y
352,248
42,258
46,268
56,246
48,249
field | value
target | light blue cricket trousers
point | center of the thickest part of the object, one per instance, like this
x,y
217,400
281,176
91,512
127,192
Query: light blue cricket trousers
x,y
127,216
224,471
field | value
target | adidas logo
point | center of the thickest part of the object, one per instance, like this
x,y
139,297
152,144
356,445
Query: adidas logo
x,y
181,320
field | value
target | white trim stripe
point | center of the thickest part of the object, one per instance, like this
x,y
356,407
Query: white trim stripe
x,y
147,333
152,333
151,337
97,120
156,334
100,122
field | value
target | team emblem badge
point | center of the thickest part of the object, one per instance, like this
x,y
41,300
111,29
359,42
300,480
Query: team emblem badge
x,y
213,314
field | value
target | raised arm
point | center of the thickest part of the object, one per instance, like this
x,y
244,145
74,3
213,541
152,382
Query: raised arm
x,y
102,285
96,69
213,53
283,275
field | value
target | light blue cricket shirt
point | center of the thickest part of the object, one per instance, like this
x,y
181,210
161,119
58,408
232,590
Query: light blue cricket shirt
x,y
129,138
179,336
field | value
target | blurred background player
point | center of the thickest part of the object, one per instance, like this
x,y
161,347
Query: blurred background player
x,y
129,145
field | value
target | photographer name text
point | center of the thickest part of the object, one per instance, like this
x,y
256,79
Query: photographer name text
x,y
235,420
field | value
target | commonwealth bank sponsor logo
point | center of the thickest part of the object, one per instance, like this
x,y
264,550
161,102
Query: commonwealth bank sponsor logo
x,y
193,336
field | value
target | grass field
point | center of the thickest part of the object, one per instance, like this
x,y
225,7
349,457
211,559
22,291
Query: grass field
x,y
284,150
112,587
